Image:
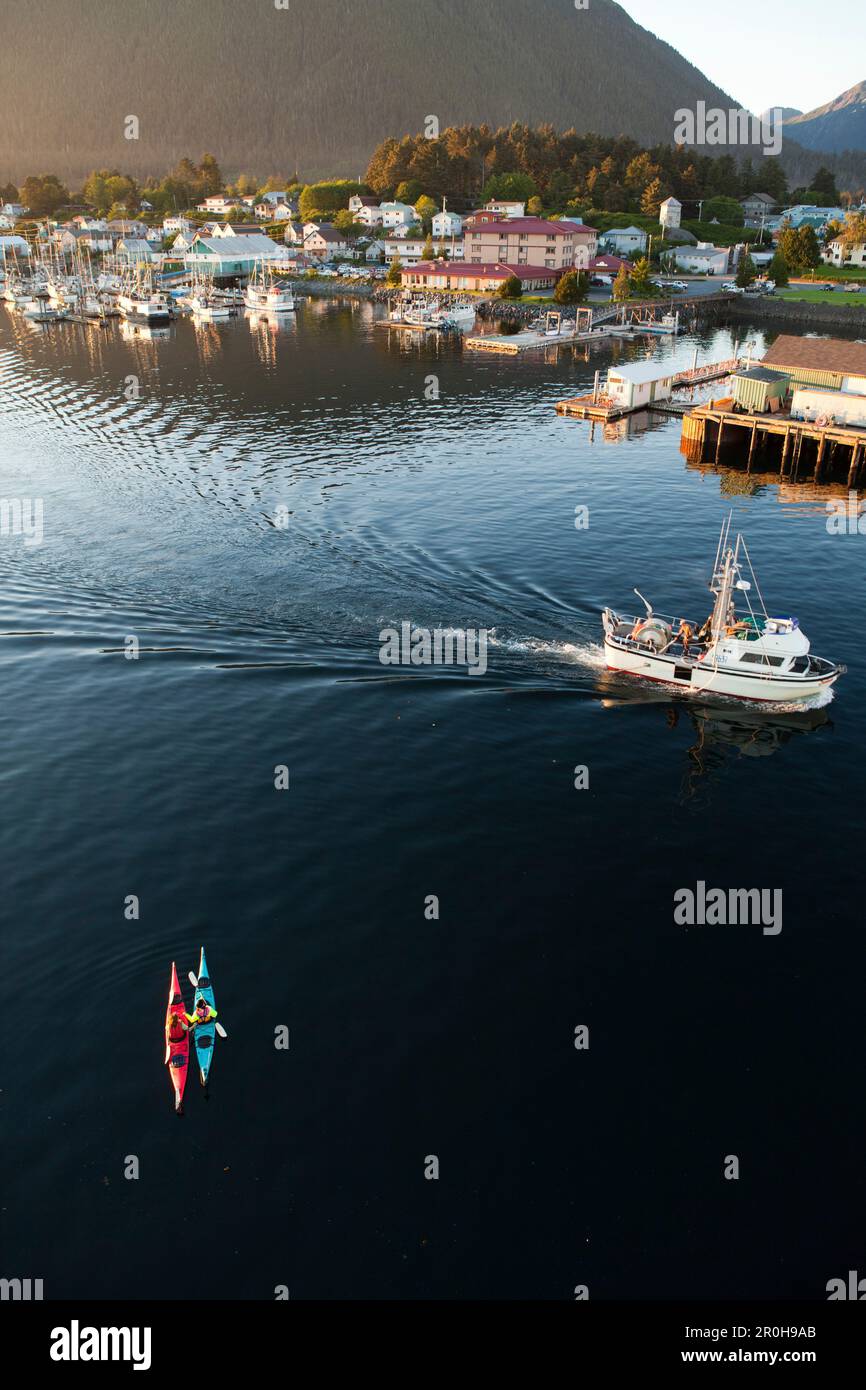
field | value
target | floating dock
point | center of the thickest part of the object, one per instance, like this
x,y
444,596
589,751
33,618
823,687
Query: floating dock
x,y
796,449
598,406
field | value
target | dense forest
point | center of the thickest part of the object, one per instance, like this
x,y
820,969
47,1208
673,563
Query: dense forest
x,y
315,88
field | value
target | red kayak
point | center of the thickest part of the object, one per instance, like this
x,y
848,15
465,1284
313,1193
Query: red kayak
x,y
176,1053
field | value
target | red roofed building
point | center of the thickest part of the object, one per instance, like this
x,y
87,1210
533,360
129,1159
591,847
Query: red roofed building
x,y
456,275
530,241
608,265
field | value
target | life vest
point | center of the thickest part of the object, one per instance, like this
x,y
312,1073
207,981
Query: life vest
x,y
203,1018
176,1029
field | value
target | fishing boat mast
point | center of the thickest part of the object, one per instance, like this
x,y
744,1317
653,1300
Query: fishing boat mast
x,y
725,572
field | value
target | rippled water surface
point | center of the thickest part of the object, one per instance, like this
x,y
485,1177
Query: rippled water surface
x,y
252,506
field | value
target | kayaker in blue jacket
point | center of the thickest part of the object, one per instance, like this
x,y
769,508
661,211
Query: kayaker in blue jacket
x,y
203,1014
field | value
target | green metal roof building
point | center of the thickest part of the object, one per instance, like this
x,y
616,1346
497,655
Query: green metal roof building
x,y
755,389
231,255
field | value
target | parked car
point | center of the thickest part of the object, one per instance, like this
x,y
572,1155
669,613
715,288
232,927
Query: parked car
x,y
853,289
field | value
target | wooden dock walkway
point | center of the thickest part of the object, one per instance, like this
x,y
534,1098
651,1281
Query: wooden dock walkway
x,y
598,406
794,448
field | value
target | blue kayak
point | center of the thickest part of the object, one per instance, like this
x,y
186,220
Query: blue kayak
x,y
204,1034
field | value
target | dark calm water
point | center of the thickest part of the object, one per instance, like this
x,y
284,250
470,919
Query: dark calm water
x,y
409,1037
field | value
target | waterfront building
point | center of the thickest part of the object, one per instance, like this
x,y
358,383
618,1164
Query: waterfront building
x,y
525,241
832,362
231,256
448,275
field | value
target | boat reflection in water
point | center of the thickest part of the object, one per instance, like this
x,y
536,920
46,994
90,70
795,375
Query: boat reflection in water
x,y
724,732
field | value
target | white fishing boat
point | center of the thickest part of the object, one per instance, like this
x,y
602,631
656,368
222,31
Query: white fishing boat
x,y
151,308
266,295
741,653
40,311
417,311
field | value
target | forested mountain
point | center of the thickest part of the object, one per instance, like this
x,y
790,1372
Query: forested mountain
x,y
315,87
838,126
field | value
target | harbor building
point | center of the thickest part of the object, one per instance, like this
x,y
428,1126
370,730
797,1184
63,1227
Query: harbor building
x,y
832,362
450,275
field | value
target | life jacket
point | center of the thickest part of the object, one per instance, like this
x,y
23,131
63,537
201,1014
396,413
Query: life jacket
x,y
176,1030
203,1018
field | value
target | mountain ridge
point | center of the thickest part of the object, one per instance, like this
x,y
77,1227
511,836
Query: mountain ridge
x,y
269,91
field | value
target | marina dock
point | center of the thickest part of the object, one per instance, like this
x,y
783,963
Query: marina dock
x,y
597,405
796,449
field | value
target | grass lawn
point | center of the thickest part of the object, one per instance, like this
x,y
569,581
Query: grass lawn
x,y
807,296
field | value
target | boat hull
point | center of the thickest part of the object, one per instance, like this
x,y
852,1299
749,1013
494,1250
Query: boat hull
x,y
694,677
204,1033
176,1054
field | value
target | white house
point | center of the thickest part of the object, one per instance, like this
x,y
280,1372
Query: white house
x,y
398,215
175,224
374,250
702,258
836,253
69,239
14,210
281,213
219,204
326,242
670,212
410,250
369,214
446,225
624,241
184,240
506,207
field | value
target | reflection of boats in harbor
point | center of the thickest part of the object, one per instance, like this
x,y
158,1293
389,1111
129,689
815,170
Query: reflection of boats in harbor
x,y
417,311
739,653
133,329
724,732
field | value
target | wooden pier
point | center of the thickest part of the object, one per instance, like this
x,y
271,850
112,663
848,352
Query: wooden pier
x,y
597,406
796,449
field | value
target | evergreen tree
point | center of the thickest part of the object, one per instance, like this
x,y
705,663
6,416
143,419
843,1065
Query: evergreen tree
x,y
571,288
395,272
778,270
621,286
745,271
510,288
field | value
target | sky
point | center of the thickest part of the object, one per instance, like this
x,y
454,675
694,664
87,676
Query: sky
x,y
791,53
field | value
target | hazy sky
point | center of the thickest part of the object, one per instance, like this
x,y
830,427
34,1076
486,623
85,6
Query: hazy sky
x,y
791,53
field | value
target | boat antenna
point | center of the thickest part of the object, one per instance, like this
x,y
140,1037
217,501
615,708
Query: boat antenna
x,y
647,606
754,577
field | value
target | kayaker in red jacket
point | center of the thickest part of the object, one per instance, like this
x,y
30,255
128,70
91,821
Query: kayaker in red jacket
x,y
177,1029
203,1014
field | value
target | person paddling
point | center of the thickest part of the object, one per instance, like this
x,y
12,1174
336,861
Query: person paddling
x,y
178,1029
203,1013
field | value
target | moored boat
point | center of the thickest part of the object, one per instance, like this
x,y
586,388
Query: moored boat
x,y
740,653
266,295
